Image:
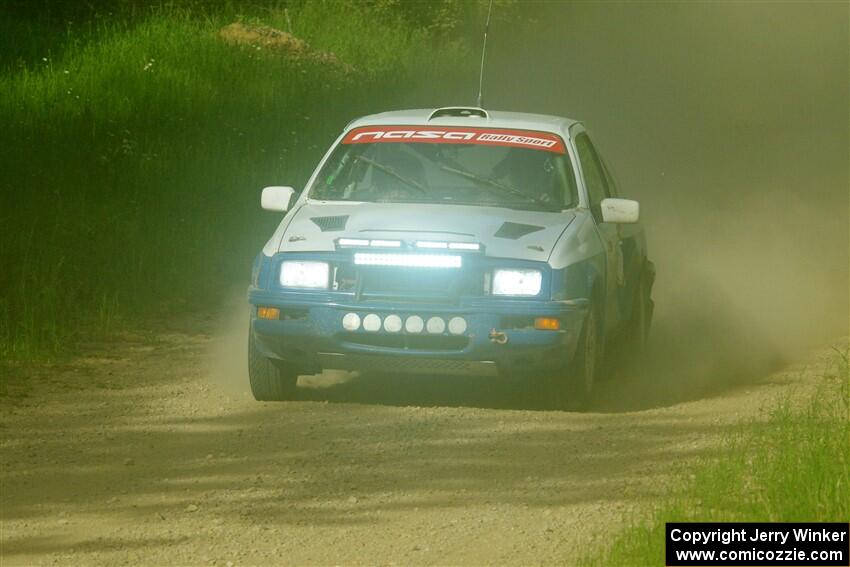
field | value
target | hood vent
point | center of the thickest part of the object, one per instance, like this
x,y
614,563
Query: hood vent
x,y
515,230
330,224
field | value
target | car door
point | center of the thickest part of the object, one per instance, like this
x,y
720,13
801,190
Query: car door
x,y
597,188
632,253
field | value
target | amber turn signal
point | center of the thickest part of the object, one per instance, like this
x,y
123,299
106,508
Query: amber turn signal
x,y
268,312
547,324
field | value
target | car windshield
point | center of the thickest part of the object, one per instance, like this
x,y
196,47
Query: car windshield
x,y
463,166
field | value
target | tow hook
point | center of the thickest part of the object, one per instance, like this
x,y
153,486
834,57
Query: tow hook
x,y
498,337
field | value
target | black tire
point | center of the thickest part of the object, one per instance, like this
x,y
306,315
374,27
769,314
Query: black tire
x,y
636,335
270,380
572,389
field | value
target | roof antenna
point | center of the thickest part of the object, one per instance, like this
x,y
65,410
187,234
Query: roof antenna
x,y
483,54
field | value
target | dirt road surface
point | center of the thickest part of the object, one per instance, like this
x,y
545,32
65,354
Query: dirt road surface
x,y
132,454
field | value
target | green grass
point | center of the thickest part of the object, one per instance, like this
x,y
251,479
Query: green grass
x,y
134,148
792,467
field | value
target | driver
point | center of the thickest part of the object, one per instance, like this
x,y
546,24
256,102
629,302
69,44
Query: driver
x,y
530,171
397,158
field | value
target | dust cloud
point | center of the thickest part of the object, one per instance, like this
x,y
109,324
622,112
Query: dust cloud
x,y
729,123
227,356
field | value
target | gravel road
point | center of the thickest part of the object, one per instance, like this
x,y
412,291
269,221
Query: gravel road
x,y
137,452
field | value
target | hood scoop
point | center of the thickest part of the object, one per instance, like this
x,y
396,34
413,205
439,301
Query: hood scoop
x,y
330,224
515,230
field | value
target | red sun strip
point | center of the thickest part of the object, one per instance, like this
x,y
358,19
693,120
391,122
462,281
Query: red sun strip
x,y
533,139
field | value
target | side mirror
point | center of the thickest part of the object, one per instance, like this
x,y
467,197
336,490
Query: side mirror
x,y
277,198
621,211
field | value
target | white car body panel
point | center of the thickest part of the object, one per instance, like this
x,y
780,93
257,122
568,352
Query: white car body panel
x,y
578,242
408,222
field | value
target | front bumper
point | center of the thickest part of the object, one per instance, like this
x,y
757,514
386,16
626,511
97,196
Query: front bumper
x,y
310,336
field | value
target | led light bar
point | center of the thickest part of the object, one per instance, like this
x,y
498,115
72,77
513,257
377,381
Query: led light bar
x,y
408,260
353,242
450,245
386,243
428,244
464,246
421,244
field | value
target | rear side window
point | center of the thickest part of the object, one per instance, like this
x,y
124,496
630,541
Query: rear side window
x,y
594,174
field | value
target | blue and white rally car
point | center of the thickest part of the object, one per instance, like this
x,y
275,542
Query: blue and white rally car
x,y
451,241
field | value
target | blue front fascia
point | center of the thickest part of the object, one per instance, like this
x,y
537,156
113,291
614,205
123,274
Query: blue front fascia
x,y
311,320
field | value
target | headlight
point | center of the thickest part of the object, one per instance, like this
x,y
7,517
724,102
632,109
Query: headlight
x,y
517,282
311,275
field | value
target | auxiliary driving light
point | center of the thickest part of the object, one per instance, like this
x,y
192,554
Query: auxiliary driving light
x,y
414,324
268,312
457,325
436,325
392,324
371,322
351,322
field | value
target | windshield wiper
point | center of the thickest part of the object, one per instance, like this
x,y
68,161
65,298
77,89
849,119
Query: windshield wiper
x,y
501,188
390,171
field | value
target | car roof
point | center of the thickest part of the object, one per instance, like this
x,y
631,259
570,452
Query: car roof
x,y
469,117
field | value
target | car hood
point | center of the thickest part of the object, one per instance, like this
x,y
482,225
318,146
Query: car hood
x,y
505,233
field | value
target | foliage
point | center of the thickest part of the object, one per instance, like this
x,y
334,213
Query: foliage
x,y
134,147
792,467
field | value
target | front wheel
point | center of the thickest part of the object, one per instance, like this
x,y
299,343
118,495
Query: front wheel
x,y
572,388
635,337
270,380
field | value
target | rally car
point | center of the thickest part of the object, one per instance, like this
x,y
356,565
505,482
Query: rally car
x,y
451,241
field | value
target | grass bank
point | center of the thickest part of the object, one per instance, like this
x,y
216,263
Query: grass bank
x,y
134,147
793,466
